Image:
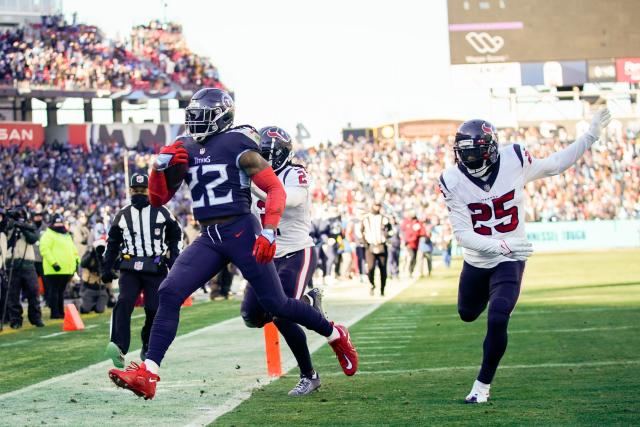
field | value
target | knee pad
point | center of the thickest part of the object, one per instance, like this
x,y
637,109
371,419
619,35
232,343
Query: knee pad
x,y
467,315
255,320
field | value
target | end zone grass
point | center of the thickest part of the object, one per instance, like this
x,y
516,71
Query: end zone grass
x,y
572,357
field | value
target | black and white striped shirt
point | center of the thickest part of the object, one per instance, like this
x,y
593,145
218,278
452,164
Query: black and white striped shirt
x,y
148,232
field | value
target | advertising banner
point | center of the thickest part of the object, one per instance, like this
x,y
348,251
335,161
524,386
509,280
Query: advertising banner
x,y
24,135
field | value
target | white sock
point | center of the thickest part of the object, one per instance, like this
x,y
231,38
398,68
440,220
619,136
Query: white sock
x,y
151,366
334,335
481,386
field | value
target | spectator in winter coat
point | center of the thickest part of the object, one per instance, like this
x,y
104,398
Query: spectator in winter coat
x,y
59,262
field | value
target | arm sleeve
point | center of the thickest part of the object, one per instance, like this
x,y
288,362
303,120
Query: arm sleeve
x,y
558,162
268,182
173,237
463,228
114,241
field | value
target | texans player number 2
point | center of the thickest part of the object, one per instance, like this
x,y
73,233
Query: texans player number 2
x,y
209,197
483,212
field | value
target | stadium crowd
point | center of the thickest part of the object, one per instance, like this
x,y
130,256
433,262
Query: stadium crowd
x,y
69,56
348,178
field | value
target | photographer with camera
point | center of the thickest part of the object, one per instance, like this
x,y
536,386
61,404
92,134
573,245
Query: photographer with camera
x,y
59,262
21,272
94,290
147,240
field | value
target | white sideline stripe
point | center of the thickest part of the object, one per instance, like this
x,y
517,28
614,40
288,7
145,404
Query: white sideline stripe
x,y
475,367
241,396
394,328
105,363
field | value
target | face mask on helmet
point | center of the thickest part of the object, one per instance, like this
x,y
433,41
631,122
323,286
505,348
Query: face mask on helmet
x,y
477,156
276,147
210,111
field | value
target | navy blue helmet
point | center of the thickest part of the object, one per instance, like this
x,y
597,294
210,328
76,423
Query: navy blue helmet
x,y
276,147
476,146
209,112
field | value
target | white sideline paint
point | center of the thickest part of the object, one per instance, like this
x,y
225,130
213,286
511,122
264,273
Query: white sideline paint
x,y
209,354
476,367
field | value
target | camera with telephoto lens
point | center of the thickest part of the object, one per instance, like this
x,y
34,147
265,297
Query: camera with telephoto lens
x,y
18,217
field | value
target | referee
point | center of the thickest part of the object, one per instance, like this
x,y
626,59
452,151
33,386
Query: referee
x,y
146,240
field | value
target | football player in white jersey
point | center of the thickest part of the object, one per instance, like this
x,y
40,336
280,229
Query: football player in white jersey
x,y
484,195
295,259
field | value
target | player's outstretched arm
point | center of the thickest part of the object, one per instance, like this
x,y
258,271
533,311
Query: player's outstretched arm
x,y
562,160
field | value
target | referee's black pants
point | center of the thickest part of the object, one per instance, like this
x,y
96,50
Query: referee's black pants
x,y
130,284
380,260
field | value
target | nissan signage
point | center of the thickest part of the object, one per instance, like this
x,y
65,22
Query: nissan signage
x,y
23,135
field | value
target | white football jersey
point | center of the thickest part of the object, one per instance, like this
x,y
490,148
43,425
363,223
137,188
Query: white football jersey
x,y
295,224
492,208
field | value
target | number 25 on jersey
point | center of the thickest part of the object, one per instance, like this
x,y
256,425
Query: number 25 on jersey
x,y
482,212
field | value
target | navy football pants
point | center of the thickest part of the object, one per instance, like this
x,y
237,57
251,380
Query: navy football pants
x,y
499,287
295,271
204,258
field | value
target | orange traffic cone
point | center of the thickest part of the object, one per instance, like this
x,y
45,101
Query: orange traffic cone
x,y
72,319
272,345
188,302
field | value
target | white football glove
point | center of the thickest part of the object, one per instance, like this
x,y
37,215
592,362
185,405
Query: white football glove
x,y
600,120
516,248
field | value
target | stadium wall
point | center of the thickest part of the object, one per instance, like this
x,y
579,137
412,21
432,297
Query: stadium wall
x,y
580,235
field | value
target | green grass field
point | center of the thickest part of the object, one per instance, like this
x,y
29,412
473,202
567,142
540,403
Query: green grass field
x,y
572,357
34,354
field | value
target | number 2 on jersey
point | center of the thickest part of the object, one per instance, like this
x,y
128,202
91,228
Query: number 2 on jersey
x,y
483,212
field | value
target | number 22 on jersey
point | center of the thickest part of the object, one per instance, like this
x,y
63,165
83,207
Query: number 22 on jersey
x,y
202,181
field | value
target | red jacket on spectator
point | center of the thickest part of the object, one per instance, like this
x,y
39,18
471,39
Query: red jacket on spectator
x,y
412,229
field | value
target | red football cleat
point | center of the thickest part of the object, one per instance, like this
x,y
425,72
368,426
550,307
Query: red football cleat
x,y
137,379
345,351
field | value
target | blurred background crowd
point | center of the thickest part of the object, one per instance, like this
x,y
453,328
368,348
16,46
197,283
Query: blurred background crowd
x,y
69,56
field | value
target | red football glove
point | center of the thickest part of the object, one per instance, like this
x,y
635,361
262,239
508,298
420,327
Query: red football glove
x,y
265,246
170,155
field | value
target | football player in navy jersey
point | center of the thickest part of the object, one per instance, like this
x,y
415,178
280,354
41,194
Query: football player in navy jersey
x,y
218,162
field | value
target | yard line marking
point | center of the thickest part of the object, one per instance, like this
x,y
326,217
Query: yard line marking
x,y
11,344
361,347
475,367
559,331
384,328
520,312
53,335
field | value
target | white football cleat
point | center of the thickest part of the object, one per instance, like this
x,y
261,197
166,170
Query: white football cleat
x,y
479,393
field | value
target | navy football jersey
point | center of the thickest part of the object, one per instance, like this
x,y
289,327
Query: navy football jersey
x,y
218,186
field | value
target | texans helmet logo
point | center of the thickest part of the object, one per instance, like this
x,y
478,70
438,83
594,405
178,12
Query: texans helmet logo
x,y
487,128
275,134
